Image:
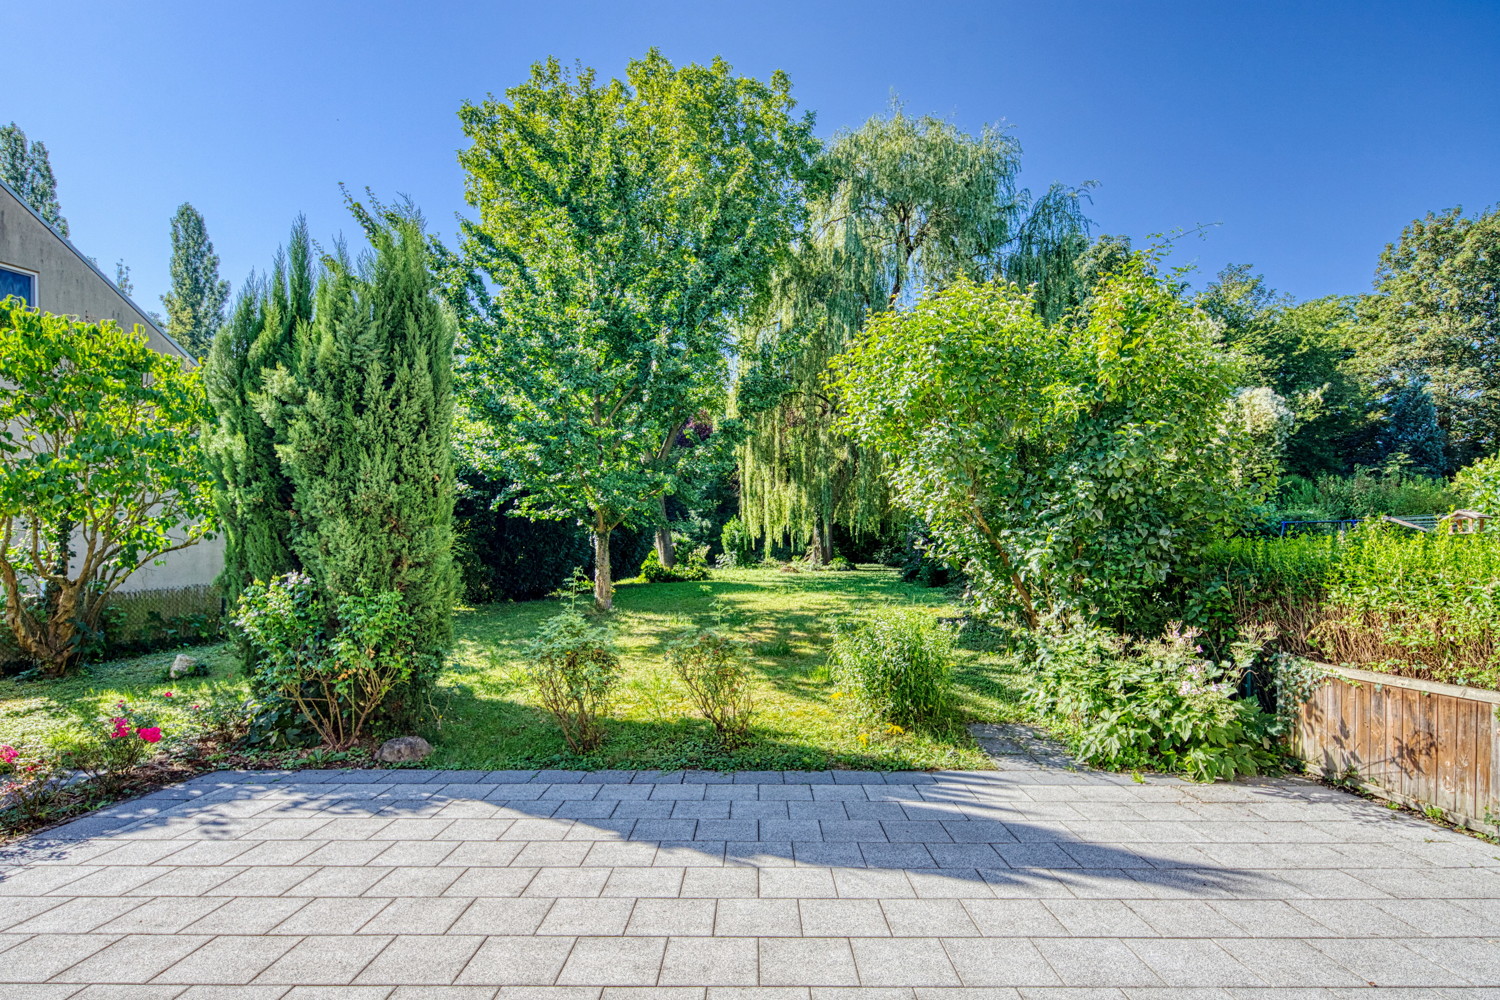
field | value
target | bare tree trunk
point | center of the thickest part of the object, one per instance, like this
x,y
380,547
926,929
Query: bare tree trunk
x,y
604,584
828,552
819,557
665,550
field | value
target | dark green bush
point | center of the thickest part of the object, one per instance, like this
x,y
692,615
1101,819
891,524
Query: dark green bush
x,y
691,565
897,664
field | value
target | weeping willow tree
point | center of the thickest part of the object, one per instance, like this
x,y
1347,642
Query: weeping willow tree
x,y
910,204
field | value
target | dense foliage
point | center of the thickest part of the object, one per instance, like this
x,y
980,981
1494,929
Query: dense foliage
x,y
27,168
907,203
100,472
622,225
1421,604
1164,706
1067,468
337,664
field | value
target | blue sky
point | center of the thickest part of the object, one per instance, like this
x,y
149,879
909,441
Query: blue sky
x,y
1310,132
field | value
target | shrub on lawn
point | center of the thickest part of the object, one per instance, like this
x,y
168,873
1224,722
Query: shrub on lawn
x,y
714,669
336,665
738,544
1163,706
573,664
694,566
31,778
898,664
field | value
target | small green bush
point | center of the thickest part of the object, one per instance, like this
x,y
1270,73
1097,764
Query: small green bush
x,y
714,669
897,663
692,566
1163,706
839,564
737,542
338,667
574,667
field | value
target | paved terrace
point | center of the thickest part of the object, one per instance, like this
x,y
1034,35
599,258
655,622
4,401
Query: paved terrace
x,y
1031,881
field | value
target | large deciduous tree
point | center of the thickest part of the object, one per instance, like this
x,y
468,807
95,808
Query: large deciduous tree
x,y
1067,467
908,203
100,472
623,226
1435,316
27,168
195,305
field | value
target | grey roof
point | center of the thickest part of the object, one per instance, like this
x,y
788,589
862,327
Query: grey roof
x,y
95,268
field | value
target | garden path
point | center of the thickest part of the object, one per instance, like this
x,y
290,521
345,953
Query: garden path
x,y
1031,881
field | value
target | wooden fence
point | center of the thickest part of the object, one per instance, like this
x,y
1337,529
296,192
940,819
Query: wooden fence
x,y
1416,742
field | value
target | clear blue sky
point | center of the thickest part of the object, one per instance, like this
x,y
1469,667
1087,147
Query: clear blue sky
x,y
1312,132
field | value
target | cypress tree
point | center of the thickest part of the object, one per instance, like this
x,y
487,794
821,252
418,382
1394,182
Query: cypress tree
x,y
368,418
195,305
27,168
254,494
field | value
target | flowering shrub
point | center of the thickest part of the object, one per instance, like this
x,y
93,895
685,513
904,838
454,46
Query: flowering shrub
x,y
338,665
28,783
1163,706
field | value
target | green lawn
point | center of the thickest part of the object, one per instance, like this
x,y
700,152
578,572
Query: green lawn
x,y
489,718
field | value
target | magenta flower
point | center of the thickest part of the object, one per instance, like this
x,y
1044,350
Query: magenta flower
x,y
151,734
9,754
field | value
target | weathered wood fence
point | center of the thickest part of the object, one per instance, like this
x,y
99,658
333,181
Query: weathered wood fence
x,y
1416,742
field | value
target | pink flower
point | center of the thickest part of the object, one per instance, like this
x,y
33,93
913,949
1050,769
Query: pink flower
x,y
122,727
197,707
167,695
151,734
9,754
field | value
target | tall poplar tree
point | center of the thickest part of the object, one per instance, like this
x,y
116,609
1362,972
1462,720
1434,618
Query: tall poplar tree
x,y
195,305
625,226
255,494
27,168
913,203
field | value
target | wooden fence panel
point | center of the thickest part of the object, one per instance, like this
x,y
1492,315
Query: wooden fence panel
x,y
1417,742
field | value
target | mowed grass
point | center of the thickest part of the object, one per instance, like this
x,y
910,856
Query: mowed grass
x,y
491,718
488,716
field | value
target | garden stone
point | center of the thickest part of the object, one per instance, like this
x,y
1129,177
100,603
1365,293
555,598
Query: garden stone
x,y
182,666
403,749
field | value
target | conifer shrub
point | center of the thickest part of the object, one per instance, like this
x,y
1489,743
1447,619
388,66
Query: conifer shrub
x,y
573,665
715,670
897,664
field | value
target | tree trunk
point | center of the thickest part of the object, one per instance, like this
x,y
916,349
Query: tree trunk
x,y
604,585
819,557
665,550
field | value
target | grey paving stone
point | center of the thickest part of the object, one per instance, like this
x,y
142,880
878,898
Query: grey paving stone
x,y
1096,962
228,960
807,961
613,961
421,960
517,961
980,962
710,961
136,958
843,918
574,916
326,958
671,917
903,962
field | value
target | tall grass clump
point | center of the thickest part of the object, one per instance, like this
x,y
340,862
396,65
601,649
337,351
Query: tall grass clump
x,y
897,664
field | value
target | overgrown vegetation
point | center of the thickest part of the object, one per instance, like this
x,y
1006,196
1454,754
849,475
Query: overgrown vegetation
x,y
1420,604
896,665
